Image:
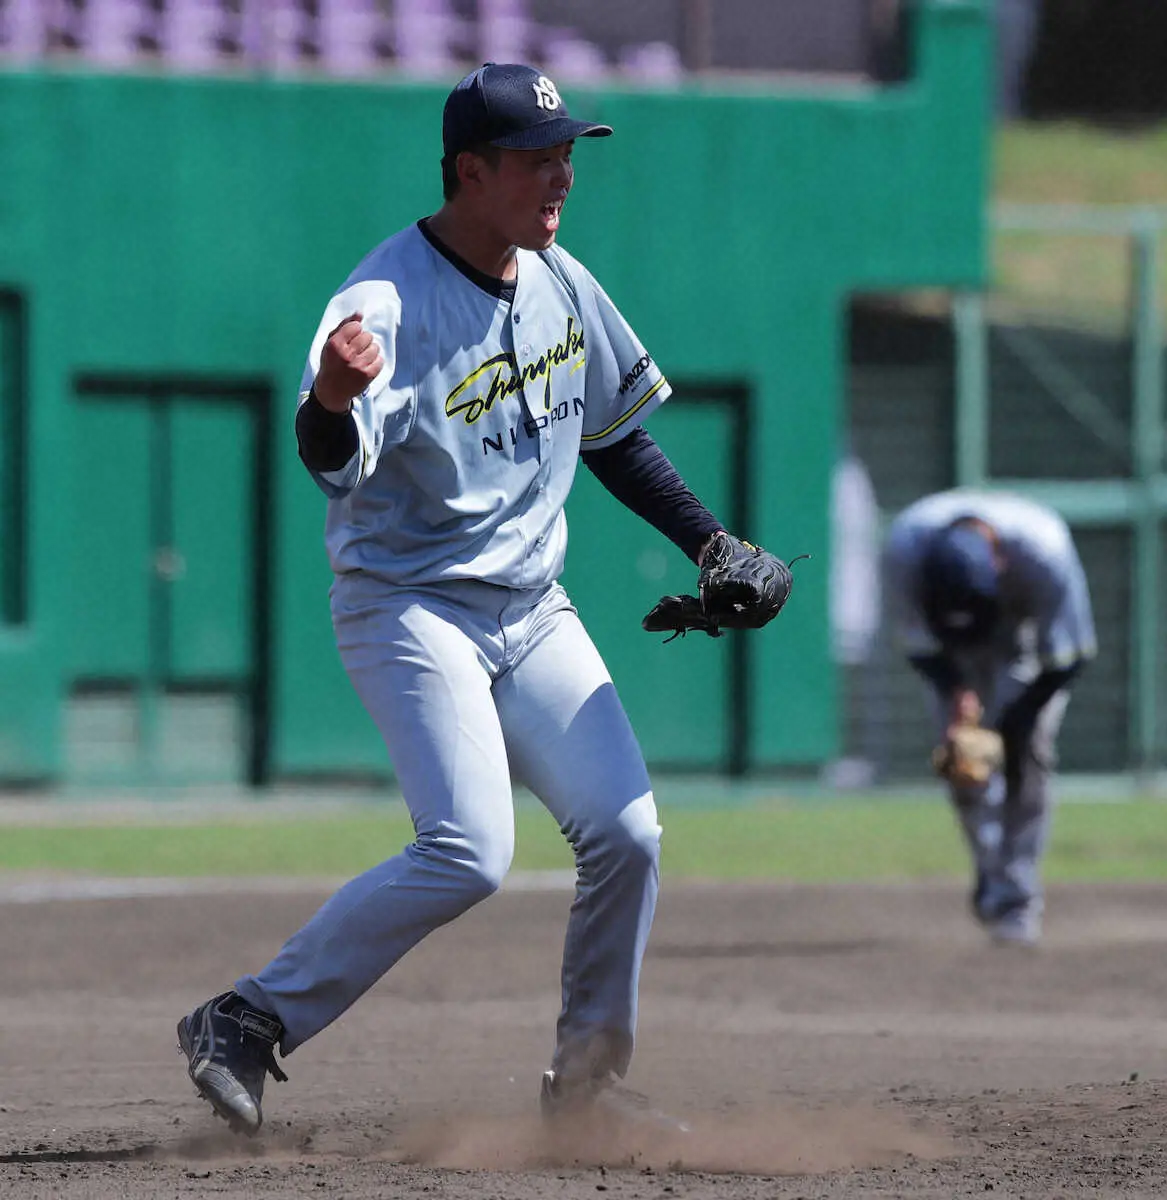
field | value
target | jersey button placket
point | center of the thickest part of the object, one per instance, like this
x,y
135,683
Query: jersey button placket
x,y
523,355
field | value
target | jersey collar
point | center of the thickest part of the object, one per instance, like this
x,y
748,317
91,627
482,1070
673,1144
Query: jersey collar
x,y
502,288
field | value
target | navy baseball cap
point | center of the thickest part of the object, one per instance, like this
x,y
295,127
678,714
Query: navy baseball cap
x,y
512,106
961,585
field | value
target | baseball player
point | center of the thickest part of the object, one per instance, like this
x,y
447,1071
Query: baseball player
x,y
456,378
992,609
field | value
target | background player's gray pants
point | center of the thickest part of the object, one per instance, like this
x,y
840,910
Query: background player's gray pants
x,y
468,682
1006,830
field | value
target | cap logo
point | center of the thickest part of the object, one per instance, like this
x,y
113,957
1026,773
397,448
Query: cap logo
x,y
546,94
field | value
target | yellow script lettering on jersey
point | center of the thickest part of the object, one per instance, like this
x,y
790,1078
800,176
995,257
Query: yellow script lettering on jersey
x,y
500,377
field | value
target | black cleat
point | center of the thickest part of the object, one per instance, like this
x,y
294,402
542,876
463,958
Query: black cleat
x,y
561,1103
230,1047
1016,924
978,897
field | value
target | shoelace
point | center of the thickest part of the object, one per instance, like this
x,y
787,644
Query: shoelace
x,y
267,1058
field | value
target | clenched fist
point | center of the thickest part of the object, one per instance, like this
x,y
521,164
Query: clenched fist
x,y
349,361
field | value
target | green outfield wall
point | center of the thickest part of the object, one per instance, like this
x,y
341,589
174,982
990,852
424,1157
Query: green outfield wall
x,y
166,248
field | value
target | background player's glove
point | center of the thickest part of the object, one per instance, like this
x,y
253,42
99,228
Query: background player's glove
x,y
969,755
739,585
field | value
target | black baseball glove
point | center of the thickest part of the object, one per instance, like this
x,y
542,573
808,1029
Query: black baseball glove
x,y
739,586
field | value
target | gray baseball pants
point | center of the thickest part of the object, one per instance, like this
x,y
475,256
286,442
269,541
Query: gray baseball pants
x,y
1006,828
468,684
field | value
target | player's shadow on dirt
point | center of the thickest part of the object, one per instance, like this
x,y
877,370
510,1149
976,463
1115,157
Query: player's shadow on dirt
x,y
220,1145
294,1141
45,1154
762,1142
765,949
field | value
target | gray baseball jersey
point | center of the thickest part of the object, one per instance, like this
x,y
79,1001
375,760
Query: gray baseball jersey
x,y
1046,625
1045,600
446,532
470,435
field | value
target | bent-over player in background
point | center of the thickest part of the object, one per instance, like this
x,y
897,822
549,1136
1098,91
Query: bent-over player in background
x,y
455,381
992,609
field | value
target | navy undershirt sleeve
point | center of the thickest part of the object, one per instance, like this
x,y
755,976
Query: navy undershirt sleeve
x,y
327,440
940,671
636,471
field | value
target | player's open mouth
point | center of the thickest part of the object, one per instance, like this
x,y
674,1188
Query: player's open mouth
x,y
550,214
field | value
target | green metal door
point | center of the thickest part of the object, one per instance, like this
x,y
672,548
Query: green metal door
x,y
211,486
163,656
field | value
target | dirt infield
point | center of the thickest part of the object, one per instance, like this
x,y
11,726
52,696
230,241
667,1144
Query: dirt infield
x,y
822,1042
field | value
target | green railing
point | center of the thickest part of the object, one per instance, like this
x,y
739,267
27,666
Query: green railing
x,y
1080,290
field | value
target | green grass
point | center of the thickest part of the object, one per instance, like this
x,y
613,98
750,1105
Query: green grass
x,y
1068,163
1079,278
825,841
